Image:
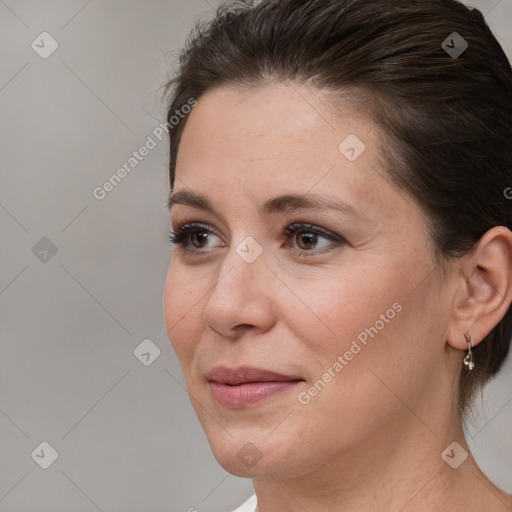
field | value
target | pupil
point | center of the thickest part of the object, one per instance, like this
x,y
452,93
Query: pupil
x,y
309,238
199,235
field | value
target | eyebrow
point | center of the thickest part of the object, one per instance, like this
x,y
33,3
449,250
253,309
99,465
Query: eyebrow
x,y
279,204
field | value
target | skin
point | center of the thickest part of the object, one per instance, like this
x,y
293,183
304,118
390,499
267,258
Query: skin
x,y
373,436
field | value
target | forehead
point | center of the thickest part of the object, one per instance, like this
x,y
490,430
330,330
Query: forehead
x,y
240,146
273,128
272,121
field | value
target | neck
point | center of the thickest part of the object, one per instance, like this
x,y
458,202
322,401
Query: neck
x,y
393,473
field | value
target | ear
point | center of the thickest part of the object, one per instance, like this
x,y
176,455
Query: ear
x,y
485,291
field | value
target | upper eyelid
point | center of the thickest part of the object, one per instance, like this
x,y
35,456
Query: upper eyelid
x,y
208,227
305,226
191,227
292,226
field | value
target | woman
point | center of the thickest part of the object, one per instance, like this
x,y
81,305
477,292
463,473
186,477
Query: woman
x,y
341,280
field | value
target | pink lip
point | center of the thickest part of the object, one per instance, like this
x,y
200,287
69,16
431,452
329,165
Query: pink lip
x,y
242,395
241,387
245,374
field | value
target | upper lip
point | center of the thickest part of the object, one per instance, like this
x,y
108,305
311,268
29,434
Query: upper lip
x,y
244,374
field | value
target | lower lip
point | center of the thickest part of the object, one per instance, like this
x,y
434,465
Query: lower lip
x,y
243,395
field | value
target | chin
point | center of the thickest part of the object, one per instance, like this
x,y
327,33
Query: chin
x,y
239,452
247,455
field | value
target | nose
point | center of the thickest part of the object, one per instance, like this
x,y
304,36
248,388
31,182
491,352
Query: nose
x,y
242,297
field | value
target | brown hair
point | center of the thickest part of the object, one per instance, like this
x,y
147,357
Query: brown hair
x,y
446,119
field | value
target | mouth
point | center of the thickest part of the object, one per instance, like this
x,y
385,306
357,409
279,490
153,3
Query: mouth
x,y
246,386
246,375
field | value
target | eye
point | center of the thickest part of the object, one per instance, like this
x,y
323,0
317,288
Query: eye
x,y
193,237
307,238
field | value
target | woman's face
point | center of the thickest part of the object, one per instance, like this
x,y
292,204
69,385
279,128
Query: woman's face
x,y
337,308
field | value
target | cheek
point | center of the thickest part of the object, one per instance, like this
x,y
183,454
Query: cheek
x,y
339,306
376,324
182,313
353,342
360,326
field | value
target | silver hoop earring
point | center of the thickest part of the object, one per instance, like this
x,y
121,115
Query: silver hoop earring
x,y
468,360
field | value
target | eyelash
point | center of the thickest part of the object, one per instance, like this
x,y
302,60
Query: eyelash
x,y
179,236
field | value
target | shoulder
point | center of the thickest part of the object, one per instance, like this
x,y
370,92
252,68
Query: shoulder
x,y
247,506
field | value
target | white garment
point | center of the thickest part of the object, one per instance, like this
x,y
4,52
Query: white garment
x,y
248,506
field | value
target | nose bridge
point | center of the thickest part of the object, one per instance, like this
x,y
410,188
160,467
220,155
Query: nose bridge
x,y
243,266
241,281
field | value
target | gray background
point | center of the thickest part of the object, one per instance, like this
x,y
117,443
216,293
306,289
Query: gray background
x,y
126,434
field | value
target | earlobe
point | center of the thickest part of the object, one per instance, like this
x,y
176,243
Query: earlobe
x,y
487,288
